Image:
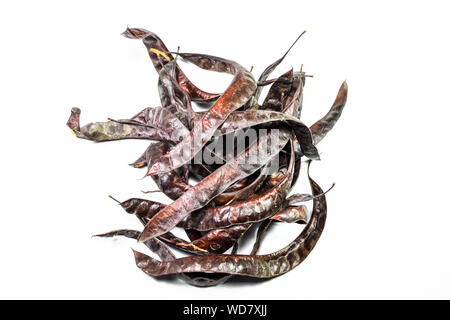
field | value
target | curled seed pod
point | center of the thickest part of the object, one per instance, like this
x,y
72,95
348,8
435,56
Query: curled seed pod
x,y
234,193
164,253
260,266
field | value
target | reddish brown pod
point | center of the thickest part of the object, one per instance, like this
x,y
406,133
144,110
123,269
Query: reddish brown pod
x,y
228,170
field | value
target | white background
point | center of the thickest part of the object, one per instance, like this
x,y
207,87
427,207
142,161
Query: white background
x,y
387,233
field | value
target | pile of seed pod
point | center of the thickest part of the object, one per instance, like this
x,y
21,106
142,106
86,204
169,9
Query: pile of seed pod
x,y
238,186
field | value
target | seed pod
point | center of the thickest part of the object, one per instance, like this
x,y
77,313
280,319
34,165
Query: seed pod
x,y
324,125
260,266
235,96
257,208
214,184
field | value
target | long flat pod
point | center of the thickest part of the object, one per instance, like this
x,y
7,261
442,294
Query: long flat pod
x,y
203,280
145,209
160,55
111,130
260,266
324,125
264,226
215,241
219,240
249,118
255,209
289,212
216,183
262,229
230,198
240,90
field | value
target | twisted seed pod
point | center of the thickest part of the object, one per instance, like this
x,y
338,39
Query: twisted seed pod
x,y
261,266
111,130
214,184
230,198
